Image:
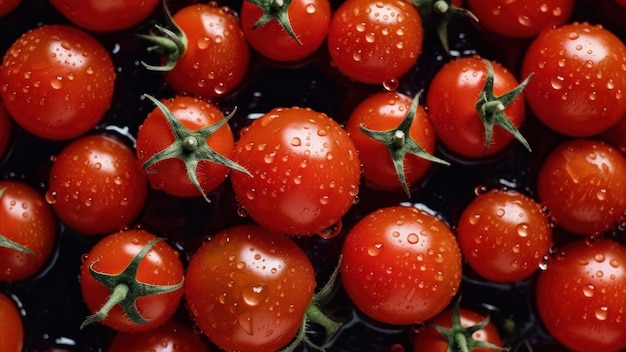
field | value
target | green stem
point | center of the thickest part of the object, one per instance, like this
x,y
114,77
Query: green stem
x,y
118,295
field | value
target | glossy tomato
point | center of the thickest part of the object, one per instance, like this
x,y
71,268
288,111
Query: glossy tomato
x,y
57,81
11,326
582,183
579,78
374,41
305,171
401,265
115,16
95,185
172,336
248,289
132,281
5,131
579,296
29,226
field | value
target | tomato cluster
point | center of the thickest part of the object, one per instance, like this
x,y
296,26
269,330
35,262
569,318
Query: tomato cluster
x,y
257,175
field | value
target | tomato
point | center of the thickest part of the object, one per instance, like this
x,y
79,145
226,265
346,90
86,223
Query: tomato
x,y
11,326
132,281
465,107
381,158
180,153
615,136
374,41
115,16
95,185
5,131
171,336
582,183
7,6
520,19
57,81
579,79
579,296
248,289
504,235
305,171
306,20
400,265
29,226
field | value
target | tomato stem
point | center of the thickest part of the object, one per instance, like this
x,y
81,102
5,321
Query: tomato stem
x,y
438,13
275,10
118,295
7,243
171,43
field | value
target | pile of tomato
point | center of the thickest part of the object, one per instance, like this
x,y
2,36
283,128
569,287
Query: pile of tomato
x,y
379,175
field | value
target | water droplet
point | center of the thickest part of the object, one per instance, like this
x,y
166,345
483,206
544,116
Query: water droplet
x,y
522,229
557,82
599,257
203,43
296,142
524,21
255,294
310,8
589,290
391,85
331,231
573,35
412,238
245,321
357,56
375,249
57,83
602,313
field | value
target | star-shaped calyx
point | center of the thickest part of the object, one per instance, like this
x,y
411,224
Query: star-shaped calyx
x,y
169,41
438,13
275,9
7,243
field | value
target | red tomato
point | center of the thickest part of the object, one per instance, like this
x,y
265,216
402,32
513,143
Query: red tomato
x,y
5,131
305,169
308,20
7,6
114,16
132,281
615,136
401,265
504,235
374,41
95,185
169,337
582,183
452,107
248,289
579,296
57,81
28,222
11,327
579,79
520,19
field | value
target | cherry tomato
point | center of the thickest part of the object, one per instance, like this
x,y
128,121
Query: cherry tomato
x,y
7,6
28,223
305,169
11,326
400,265
504,235
248,288
579,78
169,337
308,20
615,136
115,16
579,296
132,281
5,131
374,41
582,183
57,81
95,185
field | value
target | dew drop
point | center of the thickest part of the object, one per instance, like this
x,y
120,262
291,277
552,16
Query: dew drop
x,y
412,238
573,35
522,229
253,295
589,290
310,8
51,197
375,250
602,313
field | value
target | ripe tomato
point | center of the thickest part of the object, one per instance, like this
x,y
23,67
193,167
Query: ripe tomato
x,y
308,21
374,41
401,265
463,126
132,281
5,131
29,223
582,183
305,169
7,6
579,296
615,136
520,19
248,289
115,16
11,327
57,81
504,235
169,337
579,78
95,185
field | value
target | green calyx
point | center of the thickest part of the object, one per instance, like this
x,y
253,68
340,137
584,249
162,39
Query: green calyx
x,y
490,108
169,43
126,289
190,147
399,143
7,243
438,13
275,9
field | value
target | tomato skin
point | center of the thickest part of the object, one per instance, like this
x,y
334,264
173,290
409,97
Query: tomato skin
x,y
370,41
248,288
115,16
578,297
7,6
161,266
11,326
273,42
305,169
400,265
171,336
216,59
582,184
578,79
60,89
5,131
520,19
95,185
30,222
451,102
384,111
